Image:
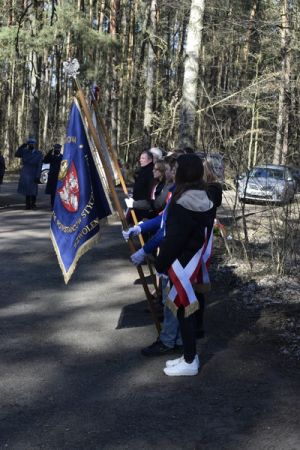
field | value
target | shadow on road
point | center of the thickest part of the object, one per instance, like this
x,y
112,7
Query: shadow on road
x,y
70,380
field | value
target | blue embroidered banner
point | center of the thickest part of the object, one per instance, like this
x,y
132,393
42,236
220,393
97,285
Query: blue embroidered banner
x,y
80,199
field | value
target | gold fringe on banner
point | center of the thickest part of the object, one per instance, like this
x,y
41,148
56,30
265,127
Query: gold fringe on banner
x,y
81,251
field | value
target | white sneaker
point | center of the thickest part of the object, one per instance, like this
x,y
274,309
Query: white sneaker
x,y
174,362
182,369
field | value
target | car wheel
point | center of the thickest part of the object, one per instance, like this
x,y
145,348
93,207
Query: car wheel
x,y
44,176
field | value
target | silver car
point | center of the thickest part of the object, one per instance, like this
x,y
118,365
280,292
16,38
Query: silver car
x,y
267,183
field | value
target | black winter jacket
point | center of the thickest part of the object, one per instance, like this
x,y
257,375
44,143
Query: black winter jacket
x,y
54,161
143,183
186,222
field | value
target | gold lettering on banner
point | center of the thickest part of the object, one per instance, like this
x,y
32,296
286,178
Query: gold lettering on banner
x,y
85,230
84,213
88,207
72,228
71,139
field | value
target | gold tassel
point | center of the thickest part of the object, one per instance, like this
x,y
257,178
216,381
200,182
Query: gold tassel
x,y
171,305
189,310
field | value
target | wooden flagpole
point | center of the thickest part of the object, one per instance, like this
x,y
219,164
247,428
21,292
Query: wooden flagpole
x,y
122,181
80,96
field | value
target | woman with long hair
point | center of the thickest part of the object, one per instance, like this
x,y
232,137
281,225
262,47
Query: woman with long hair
x,y
188,228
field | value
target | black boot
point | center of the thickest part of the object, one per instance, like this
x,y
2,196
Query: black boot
x,y
33,201
28,202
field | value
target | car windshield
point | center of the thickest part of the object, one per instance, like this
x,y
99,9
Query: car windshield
x,y
263,172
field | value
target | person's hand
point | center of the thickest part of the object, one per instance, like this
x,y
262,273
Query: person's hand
x,y
129,202
162,275
132,231
138,257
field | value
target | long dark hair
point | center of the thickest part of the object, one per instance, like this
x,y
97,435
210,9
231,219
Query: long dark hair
x,y
189,175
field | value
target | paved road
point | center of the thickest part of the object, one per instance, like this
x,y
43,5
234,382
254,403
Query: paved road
x,y
71,373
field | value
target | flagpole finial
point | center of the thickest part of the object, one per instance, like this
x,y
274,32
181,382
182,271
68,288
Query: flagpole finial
x,y
71,68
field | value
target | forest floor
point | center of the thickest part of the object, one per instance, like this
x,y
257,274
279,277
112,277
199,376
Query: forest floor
x,y
72,375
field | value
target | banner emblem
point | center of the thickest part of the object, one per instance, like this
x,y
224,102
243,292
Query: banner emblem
x,y
69,192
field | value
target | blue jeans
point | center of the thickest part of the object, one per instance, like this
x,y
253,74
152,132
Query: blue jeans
x,y
170,334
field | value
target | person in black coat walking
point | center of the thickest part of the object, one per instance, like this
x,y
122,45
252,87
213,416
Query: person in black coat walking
x,y
53,158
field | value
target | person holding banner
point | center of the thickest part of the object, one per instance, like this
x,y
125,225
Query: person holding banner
x,y
189,223
142,185
159,191
169,339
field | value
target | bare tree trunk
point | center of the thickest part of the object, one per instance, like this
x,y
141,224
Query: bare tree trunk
x,y
191,69
253,131
256,136
130,73
281,144
9,107
47,80
21,115
57,111
148,111
249,32
136,57
115,8
91,12
101,9
33,123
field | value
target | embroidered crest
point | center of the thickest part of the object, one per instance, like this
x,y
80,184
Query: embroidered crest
x,y
69,192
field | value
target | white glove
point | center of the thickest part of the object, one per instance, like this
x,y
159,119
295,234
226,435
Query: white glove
x,y
132,231
138,257
162,275
129,202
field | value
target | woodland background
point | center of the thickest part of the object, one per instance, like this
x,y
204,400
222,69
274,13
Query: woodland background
x,y
220,76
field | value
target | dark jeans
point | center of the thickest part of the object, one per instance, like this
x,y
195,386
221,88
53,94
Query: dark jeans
x,y
188,329
30,201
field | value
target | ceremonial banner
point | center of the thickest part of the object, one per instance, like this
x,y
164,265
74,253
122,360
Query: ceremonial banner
x,y
80,199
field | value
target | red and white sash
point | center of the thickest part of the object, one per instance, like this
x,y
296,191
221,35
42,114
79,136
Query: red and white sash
x,y
196,271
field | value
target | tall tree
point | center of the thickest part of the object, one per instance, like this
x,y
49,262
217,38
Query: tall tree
x,y
150,64
191,70
281,144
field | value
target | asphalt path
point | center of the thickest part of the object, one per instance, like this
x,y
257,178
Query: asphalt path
x,y
72,375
